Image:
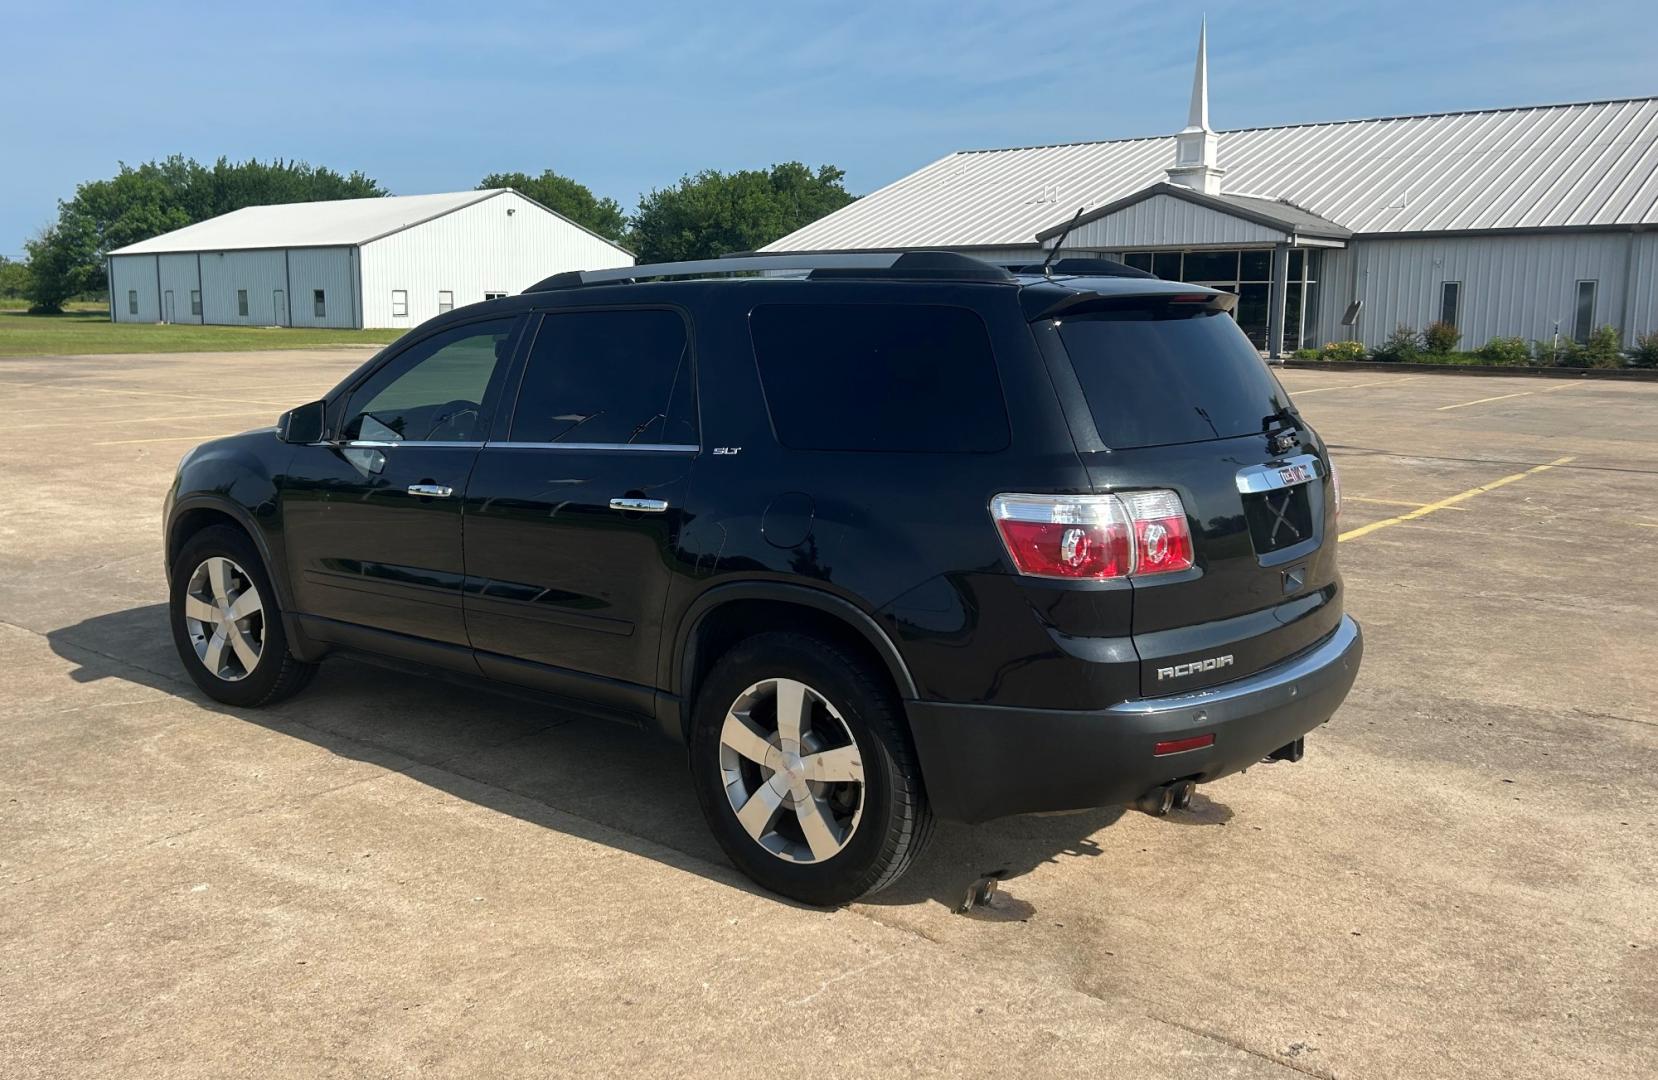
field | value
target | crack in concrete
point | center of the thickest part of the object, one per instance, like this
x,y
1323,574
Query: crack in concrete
x,y
1238,1044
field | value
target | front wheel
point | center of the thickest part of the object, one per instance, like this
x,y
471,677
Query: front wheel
x,y
804,772
226,622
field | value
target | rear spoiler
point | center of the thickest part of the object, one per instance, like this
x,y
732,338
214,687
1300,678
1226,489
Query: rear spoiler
x,y
1039,306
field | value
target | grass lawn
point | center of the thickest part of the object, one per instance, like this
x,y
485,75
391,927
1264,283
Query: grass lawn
x,y
76,332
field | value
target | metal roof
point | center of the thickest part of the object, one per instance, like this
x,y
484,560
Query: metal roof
x,y
335,223
1587,164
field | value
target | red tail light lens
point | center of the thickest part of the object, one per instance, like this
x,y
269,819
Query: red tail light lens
x,y
1065,536
1162,541
1094,536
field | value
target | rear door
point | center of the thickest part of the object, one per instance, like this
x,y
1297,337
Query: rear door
x,y
574,514
1178,399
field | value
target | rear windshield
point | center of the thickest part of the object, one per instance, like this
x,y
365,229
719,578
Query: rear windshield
x,y
1158,375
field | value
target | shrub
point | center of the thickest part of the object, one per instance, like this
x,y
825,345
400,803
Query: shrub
x,y
1550,353
1604,349
1343,350
1646,350
1441,337
1304,354
1402,346
1505,350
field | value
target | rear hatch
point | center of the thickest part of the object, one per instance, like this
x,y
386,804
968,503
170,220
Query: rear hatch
x,y
1178,399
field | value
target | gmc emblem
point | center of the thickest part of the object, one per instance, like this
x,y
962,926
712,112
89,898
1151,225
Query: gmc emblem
x,y
1180,671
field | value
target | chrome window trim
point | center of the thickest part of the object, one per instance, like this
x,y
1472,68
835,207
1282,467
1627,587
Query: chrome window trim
x,y
661,448
1259,478
355,443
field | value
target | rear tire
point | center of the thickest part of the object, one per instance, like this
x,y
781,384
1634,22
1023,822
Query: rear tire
x,y
227,624
832,814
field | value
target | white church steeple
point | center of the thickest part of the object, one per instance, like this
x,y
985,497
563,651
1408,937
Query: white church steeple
x,y
1195,165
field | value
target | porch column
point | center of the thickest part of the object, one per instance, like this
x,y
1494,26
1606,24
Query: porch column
x,y
1275,309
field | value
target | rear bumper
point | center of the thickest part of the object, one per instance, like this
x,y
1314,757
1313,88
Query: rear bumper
x,y
985,761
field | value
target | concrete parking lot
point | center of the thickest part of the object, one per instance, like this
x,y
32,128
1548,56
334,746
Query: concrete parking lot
x,y
386,876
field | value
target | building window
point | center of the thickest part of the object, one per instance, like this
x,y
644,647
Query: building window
x,y
446,300
242,302
1584,322
319,303
1450,302
494,295
132,301
400,303
195,302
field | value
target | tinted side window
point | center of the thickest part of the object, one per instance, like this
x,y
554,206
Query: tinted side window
x,y
435,390
879,377
608,377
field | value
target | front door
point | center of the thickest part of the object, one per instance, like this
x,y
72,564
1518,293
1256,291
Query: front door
x,y
373,519
279,308
573,519
167,306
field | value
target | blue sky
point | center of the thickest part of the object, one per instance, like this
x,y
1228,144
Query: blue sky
x,y
629,96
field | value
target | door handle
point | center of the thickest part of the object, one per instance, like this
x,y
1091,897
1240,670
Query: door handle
x,y
644,506
431,491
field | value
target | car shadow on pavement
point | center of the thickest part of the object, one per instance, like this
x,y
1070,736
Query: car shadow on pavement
x,y
604,782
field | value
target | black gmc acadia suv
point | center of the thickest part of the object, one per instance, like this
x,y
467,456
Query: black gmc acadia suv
x,y
879,537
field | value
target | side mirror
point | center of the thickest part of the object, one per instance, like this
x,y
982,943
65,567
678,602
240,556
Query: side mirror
x,y
302,424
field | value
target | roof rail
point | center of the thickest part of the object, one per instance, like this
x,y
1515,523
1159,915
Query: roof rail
x,y
912,265
1080,267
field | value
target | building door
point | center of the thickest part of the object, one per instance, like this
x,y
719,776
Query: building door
x,y
167,306
279,302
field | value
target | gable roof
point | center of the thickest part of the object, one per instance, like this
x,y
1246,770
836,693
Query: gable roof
x,y
333,223
1586,164
1274,213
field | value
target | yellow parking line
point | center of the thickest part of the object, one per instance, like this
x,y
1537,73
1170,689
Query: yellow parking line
x,y
159,393
1444,504
72,422
1354,386
1500,397
1389,502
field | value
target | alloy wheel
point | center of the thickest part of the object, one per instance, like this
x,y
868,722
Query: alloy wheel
x,y
225,619
792,771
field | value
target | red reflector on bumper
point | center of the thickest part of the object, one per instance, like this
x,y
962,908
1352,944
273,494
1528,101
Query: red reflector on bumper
x,y
1175,746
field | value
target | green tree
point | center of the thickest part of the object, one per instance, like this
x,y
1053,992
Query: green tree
x,y
14,277
574,200
715,213
135,204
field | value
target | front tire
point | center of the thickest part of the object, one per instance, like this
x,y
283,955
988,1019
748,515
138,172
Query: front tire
x,y
227,624
804,771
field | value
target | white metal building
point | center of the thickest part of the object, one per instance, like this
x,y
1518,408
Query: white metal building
x,y
388,262
1506,222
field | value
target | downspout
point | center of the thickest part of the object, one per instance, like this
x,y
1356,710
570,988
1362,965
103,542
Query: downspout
x,y
201,291
109,281
288,283
159,314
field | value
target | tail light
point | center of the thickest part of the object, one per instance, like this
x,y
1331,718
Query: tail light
x,y
1094,537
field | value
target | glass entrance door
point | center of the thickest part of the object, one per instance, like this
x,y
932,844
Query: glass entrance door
x,y
1248,273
